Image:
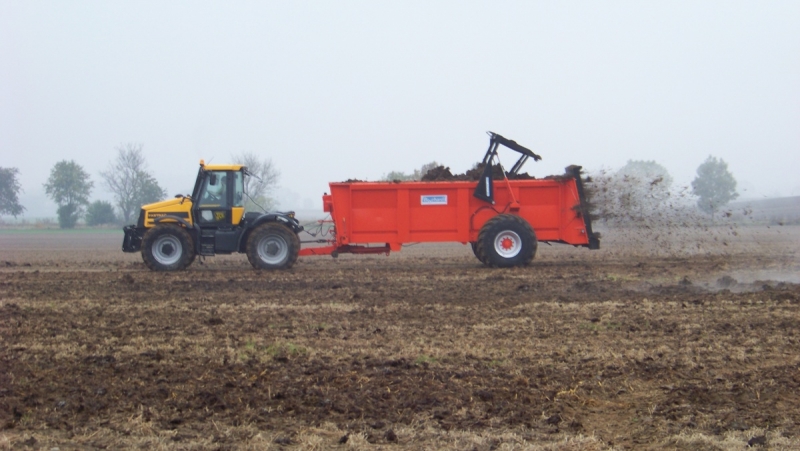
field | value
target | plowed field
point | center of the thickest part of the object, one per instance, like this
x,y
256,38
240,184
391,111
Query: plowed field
x,y
628,347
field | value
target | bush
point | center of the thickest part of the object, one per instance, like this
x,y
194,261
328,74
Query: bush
x,y
416,175
68,215
100,212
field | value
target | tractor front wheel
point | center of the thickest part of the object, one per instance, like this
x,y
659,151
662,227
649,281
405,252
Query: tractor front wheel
x,y
167,247
506,240
272,246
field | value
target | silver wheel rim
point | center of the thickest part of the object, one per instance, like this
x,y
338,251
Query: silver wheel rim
x,y
167,250
507,244
273,250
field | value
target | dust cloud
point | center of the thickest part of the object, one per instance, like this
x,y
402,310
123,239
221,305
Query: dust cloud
x,y
641,217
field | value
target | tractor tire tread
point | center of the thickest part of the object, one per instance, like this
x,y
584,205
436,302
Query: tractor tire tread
x,y
292,241
183,236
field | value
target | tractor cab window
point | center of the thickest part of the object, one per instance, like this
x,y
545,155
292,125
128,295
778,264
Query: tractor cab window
x,y
238,189
214,208
214,192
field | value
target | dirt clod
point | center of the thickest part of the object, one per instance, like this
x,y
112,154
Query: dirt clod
x,y
726,281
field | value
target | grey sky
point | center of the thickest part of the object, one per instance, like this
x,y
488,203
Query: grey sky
x,y
338,89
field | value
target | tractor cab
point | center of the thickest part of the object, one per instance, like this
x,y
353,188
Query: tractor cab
x,y
218,195
218,207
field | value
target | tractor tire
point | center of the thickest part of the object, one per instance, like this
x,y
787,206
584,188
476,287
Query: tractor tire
x,y
272,246
167,247
505,241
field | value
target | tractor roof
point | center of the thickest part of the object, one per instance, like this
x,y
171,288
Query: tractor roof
x,y
220,167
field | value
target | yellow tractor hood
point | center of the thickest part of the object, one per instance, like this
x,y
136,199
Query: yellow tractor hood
x,y
171,210
165,203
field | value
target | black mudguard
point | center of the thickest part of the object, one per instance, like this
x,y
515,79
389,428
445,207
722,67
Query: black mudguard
x,y
253,220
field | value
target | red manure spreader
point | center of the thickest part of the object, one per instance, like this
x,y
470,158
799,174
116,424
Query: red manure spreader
x,y
503,220
503,215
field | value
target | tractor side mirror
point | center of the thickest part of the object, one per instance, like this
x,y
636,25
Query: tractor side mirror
x,y
212,179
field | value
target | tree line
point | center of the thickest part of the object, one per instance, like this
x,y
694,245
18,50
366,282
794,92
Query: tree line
x,y
130,182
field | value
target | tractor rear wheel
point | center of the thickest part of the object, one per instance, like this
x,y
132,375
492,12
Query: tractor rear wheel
x,y
506,240
272,246
167,247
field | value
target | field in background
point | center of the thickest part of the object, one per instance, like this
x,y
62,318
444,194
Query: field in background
x,y
676,338
780,211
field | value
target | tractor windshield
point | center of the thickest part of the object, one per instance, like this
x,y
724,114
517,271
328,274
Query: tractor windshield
x,y
214,191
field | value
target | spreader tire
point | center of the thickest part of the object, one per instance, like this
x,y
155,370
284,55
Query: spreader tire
x,y
474,246
272,246
506,240
167,247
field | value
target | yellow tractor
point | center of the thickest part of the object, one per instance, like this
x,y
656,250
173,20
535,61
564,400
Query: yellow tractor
x,y
171,233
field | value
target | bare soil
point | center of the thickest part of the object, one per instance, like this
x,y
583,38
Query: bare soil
x,y
627,347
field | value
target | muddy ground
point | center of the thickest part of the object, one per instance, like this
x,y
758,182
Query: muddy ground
x,y
627,347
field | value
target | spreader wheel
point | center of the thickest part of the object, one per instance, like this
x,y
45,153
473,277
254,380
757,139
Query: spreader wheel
x,y
272,246
167,247
474,246
506,240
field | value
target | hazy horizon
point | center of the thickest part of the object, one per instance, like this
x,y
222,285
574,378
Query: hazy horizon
x,y
340,90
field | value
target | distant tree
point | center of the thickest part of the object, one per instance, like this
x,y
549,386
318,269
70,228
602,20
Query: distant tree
x,y
649,172
631,194
397,175
149,190
261,185
69,186
714,185
642,186
416,175
127,177
9,192
424,169
100,212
